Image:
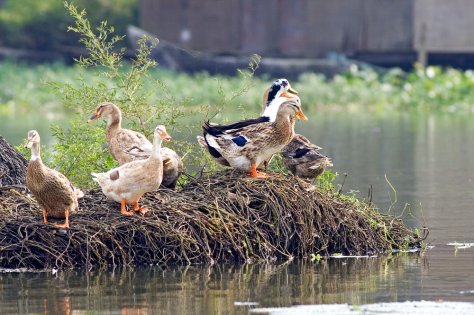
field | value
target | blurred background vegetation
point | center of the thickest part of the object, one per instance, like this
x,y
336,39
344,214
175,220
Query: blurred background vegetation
x,y
42,25
64,96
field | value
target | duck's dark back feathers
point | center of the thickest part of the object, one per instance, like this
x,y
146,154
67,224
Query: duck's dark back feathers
x,y
217,130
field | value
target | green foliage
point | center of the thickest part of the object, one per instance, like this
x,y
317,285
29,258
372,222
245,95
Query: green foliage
x,y
430,89
423,89
327,179
80,149
42,24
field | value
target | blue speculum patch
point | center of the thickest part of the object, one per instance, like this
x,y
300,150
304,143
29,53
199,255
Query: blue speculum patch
x,y
240,141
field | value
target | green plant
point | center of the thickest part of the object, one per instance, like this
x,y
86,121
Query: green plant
x,y
326,180
80,149
315,257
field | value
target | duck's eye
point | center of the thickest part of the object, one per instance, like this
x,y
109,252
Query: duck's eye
x,y
284,83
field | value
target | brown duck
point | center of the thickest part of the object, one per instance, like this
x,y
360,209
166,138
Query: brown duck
x,y
52,190
127,145
302,158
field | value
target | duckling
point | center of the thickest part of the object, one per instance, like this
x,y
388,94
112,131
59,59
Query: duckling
x,y
53,191
130,181
246,144
127,145
302,158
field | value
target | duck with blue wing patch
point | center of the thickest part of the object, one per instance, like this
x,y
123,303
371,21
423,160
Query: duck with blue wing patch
x,y
245,145
270,101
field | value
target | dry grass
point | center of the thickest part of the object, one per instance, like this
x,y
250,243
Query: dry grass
x,y
12,165
220,217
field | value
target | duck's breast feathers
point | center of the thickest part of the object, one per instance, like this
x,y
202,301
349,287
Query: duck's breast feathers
x,y
218,130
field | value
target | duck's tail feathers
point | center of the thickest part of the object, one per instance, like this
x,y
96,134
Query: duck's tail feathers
x,y
209,128
204,142
218,130
325,162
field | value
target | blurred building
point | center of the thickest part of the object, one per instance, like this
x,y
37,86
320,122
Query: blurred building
x,y
385,32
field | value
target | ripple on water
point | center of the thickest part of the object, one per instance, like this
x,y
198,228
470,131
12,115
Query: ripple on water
x,y
403,308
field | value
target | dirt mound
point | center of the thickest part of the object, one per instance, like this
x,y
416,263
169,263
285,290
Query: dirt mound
x,y
12,165
220,217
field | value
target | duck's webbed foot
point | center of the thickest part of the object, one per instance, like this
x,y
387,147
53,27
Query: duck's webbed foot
x,y
254,173
139,209
65,225
123,208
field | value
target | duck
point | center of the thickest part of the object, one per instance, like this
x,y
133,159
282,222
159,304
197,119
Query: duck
x,y
303,159
278,87
52,190
270,95
127,145
269,110
246,144
127,183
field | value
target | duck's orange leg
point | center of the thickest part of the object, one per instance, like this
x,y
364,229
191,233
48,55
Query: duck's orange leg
x,y
123,208
255,173
137,208
45,221
66,223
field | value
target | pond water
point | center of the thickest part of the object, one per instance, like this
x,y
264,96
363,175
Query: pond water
x,y
427,158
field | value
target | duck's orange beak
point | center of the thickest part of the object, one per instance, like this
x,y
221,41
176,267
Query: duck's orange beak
x,y
301,116
287,95
94,117
164,135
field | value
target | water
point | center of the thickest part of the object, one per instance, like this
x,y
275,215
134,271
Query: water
x,y
426,157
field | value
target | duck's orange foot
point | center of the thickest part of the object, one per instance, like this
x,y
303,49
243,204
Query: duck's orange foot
x,y
256,174
123,208
143,210
127,213
62,226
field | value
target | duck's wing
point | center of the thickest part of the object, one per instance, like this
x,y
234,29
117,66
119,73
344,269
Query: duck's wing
x,y
56,189
219,130
129,141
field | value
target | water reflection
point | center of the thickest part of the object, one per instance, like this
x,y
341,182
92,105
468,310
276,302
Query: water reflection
x,y
213,290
